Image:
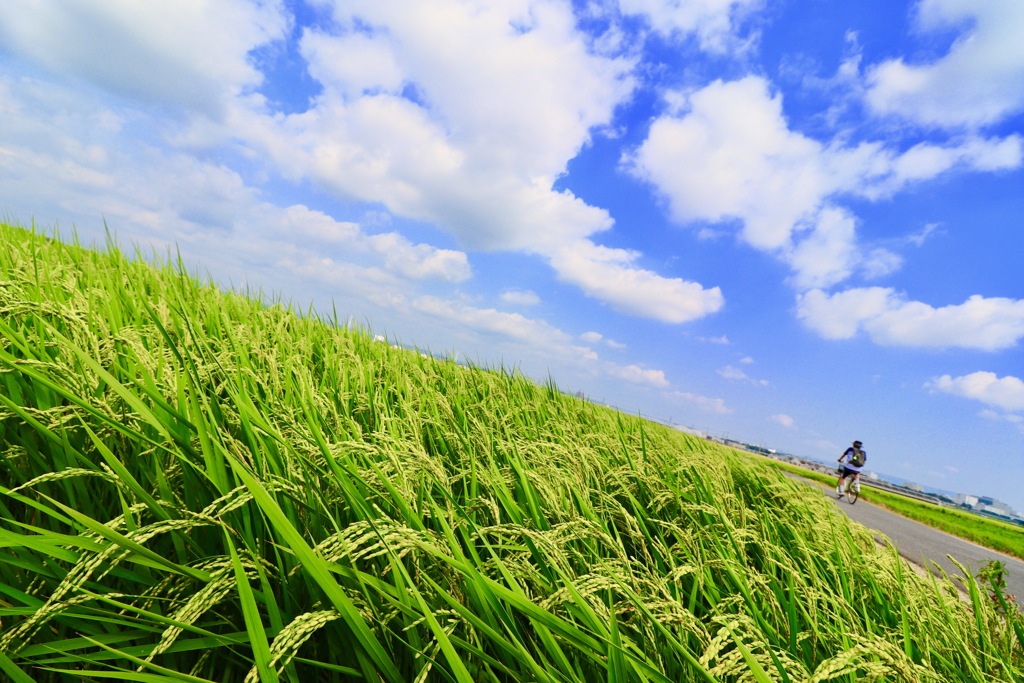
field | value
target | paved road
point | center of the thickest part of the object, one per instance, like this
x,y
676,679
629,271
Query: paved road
x,y
927,546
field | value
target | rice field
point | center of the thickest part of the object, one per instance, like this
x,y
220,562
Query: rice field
x,y
207,486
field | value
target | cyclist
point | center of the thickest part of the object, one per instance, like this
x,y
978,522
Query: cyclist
x,y
850,463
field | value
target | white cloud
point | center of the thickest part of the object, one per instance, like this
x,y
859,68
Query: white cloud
x,y
639,375
733,373
65,142
519,297
784,420
419,261
352,64
398,254
491,321
183,58
539,336
480,167
1005,393
828,254
722,340
447,136
705,403
987,324
924,161
598,338
731,156
316,225
840,316
609,275
726,153
924,234
978,82
878,262
715,23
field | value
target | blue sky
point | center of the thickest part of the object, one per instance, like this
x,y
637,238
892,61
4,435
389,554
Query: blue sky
x,y
794,223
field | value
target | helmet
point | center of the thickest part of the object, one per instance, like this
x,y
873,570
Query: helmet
x,y
858,444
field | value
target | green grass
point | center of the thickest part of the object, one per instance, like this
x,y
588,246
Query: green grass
x,y
206,486
990,533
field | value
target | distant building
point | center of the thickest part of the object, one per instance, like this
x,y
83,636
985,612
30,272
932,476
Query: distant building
x,y
998,507
966,500
985,504
690,430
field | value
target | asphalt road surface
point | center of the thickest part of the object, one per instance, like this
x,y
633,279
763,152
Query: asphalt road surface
x,y
926,546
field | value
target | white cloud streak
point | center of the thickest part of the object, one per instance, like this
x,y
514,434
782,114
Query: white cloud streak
x,y
704,403
987,324
784,420
714,23
552,342
516,297
171,54
1005,393
608,275
978,82
733,373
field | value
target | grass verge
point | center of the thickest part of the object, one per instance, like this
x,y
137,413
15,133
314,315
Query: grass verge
x,y
989,533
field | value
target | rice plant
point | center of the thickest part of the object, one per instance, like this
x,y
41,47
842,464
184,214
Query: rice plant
x,y
208,486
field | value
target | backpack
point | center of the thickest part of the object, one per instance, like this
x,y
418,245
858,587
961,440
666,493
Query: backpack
x,y
858,458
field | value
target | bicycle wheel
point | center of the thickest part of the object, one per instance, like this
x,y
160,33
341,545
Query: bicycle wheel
x,y
851,493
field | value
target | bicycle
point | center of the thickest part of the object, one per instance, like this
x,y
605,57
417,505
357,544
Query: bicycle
x,y
851,490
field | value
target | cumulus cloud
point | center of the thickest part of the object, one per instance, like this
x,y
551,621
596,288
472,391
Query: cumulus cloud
x,y
730,155
726,153
827,255
181,58
784,420
977,83
987,324
452,137
520,297
638,375
714,23
480,167
165,196
419,261
1005,393
610,276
